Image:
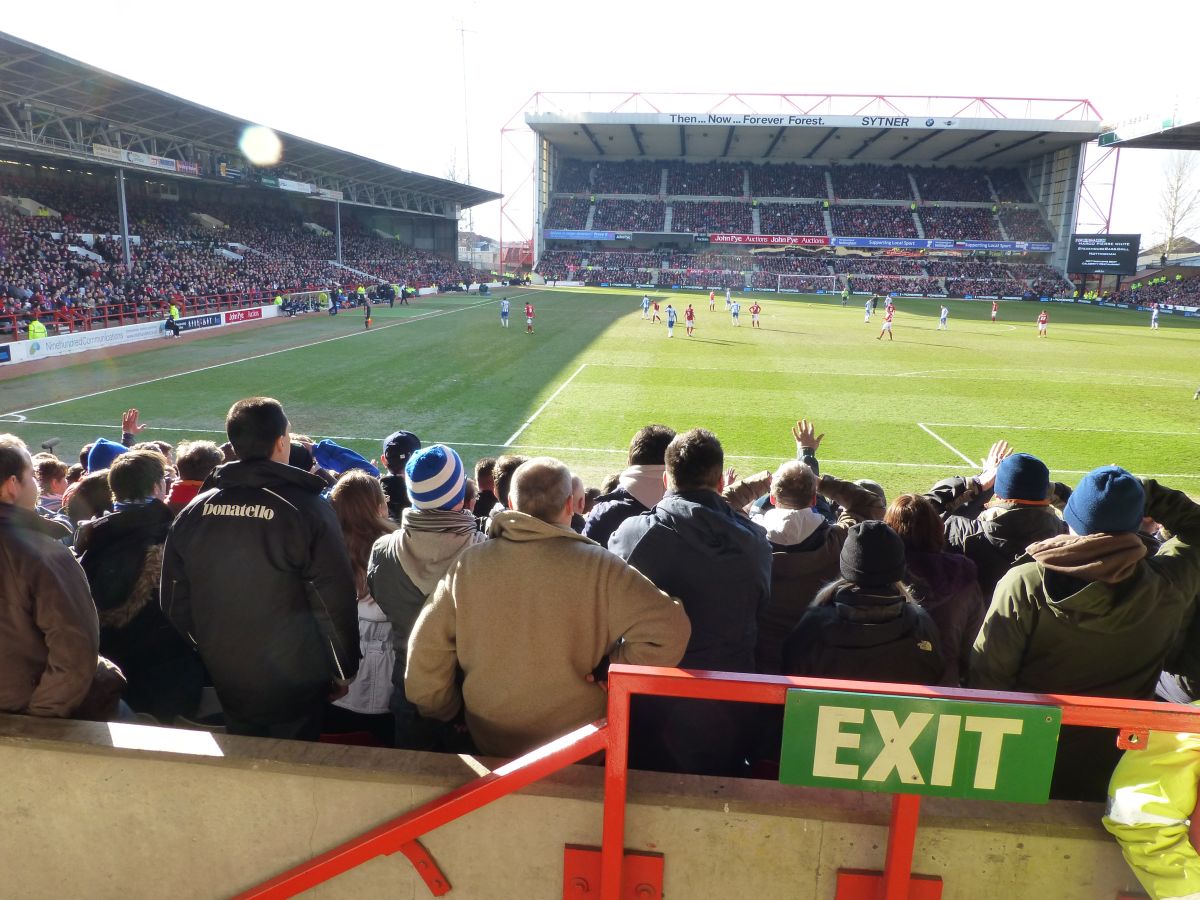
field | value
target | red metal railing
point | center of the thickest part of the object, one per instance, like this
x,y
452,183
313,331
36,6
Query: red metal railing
x,y
1133,720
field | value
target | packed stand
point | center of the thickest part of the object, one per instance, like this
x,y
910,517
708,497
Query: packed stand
x,y
1009,185
704,278
712,179
877,284
803,284
952,183
788,180
1172,292
722,262
629,215
991,287
574,177
792,264
711,216
870,181
568,212
873,221
627,177
1025,224
892,265
959,223
790,218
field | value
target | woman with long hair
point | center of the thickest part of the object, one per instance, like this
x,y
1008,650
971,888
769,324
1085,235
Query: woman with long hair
x,y
865,625
361,509
945,584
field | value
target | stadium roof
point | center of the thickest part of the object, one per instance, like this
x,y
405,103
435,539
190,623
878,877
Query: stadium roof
x,y
1178,130
33,74
797,137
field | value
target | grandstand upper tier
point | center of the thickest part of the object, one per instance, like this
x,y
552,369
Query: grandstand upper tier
x,y
926,181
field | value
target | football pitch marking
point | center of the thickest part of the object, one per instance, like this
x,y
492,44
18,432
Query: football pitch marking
x,y
945,443
233,362
1121,430
516,434
622,451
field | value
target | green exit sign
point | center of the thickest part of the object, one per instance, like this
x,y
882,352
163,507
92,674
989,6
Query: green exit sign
x,y
906,745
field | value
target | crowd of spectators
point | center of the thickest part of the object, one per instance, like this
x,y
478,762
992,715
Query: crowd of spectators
x,y
788,180
805,284
985,287
568,212
1025,224
873,221
712,216
1009,185
632,176
959,223
943,268
888,284
574,177
1172,292
710,179
871,181
952,183
704,278
891,265
629,215
792,264
791,218
479,615
712,261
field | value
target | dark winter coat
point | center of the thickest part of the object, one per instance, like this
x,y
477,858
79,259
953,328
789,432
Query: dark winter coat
x,y
122,557
395,492
866,635
256,573
946,586
609,511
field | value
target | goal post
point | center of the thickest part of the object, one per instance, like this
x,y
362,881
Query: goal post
x,y
808,284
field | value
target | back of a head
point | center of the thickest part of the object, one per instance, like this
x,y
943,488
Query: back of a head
x,y
48,468
695,461
485,473
503,472
436,478
357,499
195,460
134,475
915,519
794,486
14,457
254,425
649,445
1022,478
873,556
92,497
541,488
1107,500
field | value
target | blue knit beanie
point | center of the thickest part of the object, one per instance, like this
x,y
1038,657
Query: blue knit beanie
x,y
435,478
102,454
338,459
1022,477
1107,499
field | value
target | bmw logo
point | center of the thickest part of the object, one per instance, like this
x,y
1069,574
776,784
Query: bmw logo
x,y
928,123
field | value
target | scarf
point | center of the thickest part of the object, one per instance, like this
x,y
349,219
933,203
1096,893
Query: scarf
x,y
1108,558
645,484
429,539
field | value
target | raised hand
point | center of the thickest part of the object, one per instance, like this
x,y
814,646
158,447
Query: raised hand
x,y
129,422
806,438
1000,450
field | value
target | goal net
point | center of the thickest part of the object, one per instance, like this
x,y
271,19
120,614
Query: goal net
x,y
808,284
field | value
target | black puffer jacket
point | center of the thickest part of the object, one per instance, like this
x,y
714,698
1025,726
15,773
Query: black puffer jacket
x,y
946,585
257,574
866,635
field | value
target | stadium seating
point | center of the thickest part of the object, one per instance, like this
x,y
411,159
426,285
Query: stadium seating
x,y
790,264
568,212
705,179
857,265
629,215
952,183
788,180
873,221
791,218
702,278
627,177
985,287
894,284
574,177
867,181
712,216
1009,185
1025,224
959,223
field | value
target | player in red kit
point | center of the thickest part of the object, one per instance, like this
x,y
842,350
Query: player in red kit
x,y
995,309
529,318
755,309
689,319
1042,320
654,317
888,312
712,300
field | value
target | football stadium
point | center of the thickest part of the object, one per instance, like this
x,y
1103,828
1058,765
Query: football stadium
x,y
839,429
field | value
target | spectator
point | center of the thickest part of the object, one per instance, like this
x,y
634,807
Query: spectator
x,y
695,547
1089,613
397,450
805,546
506,467
278,630
121,553
358,501
91,496
194,461
994,516
640,486
866,625
946,585
528,616
405,567
485,481
49,637
51,475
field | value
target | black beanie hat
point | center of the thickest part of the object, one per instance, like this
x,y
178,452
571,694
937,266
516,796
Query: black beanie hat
x,y
873,555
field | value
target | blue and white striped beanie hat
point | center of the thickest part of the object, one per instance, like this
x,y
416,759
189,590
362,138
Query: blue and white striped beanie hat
x,y
436,478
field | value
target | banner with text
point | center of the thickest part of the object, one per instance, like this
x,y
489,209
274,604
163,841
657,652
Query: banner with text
x,y
941,244
794,240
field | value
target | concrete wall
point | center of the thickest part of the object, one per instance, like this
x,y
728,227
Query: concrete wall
x,y
121,811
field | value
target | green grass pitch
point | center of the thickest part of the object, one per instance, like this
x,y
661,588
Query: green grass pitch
x,y
1102,388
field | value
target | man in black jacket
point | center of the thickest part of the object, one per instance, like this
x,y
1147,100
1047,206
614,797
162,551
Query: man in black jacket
x,y
397,449
694,546
256,574
641,484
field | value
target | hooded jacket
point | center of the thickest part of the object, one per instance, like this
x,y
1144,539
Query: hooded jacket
x,y
866,634
256,574
639,488
527,616
122,558
946,586
1151,804
49,638
991,536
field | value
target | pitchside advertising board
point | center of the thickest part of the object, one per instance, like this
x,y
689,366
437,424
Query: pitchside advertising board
x,y
907,745
1105,254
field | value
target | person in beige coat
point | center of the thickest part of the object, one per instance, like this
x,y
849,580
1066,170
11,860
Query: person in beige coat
x,y
528,616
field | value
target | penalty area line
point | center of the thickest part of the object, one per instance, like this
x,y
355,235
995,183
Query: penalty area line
x,y
516,434
933,434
